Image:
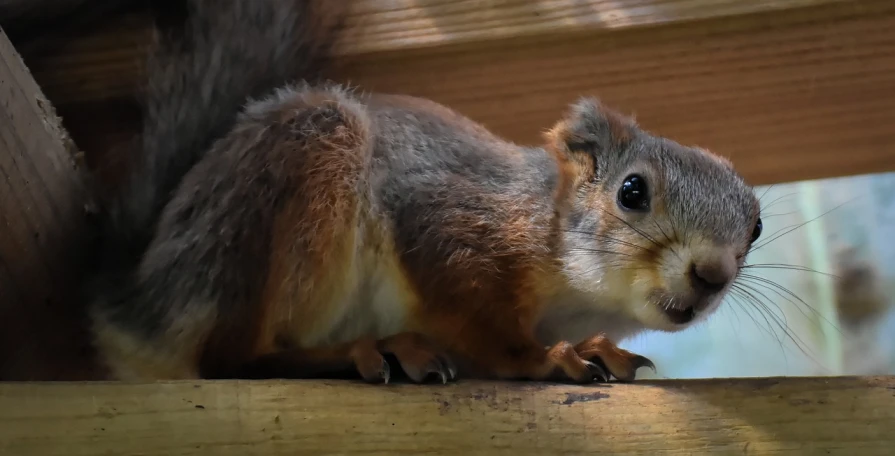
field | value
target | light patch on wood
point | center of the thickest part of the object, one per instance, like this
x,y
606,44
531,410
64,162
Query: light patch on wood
x,y
777,416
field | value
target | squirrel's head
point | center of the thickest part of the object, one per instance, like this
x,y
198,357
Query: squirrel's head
x,y
655,229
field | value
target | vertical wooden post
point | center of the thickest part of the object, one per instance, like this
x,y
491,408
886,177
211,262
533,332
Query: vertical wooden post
x,y
44,234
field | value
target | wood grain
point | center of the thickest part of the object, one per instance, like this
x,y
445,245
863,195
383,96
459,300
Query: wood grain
x,y
401,25
797,416
788,89
795,94
43,232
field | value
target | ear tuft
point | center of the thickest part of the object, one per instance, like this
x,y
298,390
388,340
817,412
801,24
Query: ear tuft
x,y
589,126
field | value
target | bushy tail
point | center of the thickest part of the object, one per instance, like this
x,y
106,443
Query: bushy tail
x,y
207,59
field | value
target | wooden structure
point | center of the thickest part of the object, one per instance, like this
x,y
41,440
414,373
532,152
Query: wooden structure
x,y
790,90
839,416
44,233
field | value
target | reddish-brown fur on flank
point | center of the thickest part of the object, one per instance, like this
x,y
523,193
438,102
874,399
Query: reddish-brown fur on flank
x,y
326,170
480,300
322,148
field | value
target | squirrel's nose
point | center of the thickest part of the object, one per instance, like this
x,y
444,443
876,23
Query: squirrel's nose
x,y
712,275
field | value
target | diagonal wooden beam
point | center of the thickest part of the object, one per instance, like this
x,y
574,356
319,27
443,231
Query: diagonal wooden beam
x,y
44,233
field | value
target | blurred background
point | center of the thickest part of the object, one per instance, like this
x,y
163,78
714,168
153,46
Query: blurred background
x,y
824,303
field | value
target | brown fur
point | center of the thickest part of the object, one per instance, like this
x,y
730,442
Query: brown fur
x,y
332,175
325,229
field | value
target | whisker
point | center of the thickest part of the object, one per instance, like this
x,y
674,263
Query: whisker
x,y
641,233
779,199
602,269
656,222
763,244
791,267
741,295
782,322
782,291
589,251
754,302
667,239
604,237
770,216
766,191
779,322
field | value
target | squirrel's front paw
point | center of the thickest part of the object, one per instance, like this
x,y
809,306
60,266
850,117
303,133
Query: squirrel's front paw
x,y
618,362
419,358
595,359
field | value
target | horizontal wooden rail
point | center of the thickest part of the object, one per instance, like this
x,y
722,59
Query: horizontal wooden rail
x,y
402,25
797,92
789,90
780,416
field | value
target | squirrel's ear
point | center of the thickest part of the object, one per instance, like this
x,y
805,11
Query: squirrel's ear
x,y
591,127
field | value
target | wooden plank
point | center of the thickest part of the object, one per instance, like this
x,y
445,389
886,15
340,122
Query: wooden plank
x,y
103,62
780,416
43,232
789,90
789,95
402,25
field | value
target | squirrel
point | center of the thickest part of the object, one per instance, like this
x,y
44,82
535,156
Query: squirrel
x,y
280,226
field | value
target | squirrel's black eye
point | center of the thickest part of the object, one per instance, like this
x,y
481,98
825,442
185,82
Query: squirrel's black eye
x,y
634,195
756,232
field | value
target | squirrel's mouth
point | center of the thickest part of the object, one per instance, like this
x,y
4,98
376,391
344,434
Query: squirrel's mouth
x,y
680,316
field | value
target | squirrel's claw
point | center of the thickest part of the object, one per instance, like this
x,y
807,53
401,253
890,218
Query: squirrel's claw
x,y
618,362
599,374
642,361
439,365
419,358
386,372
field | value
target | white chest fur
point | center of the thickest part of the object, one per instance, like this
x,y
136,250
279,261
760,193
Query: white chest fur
x,y
374,303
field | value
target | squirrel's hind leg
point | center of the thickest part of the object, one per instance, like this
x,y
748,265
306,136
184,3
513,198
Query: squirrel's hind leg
x,y
260,229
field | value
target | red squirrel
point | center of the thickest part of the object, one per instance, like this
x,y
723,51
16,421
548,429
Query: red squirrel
x,y
279,227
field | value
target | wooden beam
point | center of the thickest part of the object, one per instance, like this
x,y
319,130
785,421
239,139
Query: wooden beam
x,y
779,416
799,92
790,90
43,233
403,25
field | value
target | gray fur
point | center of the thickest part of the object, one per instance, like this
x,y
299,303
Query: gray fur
x,y
445,188
420,155
702,212
199,78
